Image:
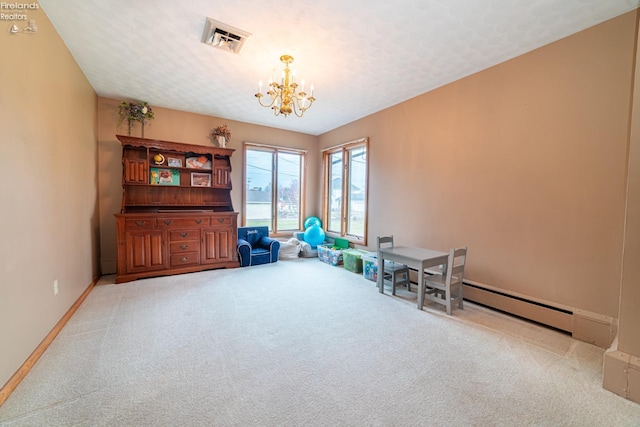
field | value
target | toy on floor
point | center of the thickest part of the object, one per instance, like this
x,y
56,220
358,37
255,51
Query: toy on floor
x,y
312,220
314,235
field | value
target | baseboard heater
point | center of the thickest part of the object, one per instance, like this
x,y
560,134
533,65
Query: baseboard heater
x,y
545,314
583,325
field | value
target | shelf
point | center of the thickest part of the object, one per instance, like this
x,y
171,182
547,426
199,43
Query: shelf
x,y
177,147
181,169
182,204
139,184
146,183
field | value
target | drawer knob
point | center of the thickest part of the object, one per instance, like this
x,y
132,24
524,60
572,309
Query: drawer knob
x,y
220,220
184,259
140,223
184,234
184,246
168,221
199,221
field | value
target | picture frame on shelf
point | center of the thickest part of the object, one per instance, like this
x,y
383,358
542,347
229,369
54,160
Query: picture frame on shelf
x,y
174,162
200,179
159,176
198,162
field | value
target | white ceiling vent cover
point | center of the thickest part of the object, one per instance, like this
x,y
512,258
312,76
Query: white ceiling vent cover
x,y
223,36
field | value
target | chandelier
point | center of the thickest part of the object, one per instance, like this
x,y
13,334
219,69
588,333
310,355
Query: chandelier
x,y
283,97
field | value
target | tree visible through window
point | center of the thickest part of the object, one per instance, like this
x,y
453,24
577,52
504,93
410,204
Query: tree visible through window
x,y
273,179
345,196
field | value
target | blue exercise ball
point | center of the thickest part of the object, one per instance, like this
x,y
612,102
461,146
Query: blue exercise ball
x,y
312,220
314,235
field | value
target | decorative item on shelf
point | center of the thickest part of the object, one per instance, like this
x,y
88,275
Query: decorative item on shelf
x,y
284,98
134,112
172,161
221,134
165,176
200,179
200,162
158,159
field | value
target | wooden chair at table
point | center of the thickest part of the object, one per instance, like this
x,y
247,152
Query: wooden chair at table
x,y
396,273
445,287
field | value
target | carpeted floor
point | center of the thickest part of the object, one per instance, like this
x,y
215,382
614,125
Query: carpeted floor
x,y
303,343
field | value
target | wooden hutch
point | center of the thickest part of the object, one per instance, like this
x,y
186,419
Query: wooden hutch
x,y
177,215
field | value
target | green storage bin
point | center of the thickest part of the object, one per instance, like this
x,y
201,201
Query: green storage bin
x,y
341,243
352,260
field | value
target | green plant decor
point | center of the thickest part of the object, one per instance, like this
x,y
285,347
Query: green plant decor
x,y
134,112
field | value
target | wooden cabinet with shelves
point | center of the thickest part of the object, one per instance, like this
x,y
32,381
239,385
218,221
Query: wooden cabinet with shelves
x,y
177,215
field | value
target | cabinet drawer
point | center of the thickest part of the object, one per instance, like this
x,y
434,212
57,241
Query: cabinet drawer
x,y
179,235
185,259
223,220
183,222
184,246
140,223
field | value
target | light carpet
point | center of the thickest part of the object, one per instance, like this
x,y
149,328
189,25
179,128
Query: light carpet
x,y
300,342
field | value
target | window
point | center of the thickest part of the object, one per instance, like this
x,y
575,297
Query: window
x,y
345,195
273,182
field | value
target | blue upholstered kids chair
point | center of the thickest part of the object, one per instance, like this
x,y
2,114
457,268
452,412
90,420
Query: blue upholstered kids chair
x,y
255,247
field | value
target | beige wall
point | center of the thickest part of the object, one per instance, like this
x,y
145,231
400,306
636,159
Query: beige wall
x,y
525,163
629,337
48,189
179,126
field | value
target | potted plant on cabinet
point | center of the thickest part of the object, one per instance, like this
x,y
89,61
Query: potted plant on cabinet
x,y
221,134
134,112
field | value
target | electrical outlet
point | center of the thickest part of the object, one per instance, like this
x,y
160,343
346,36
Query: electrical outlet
x,y
55,287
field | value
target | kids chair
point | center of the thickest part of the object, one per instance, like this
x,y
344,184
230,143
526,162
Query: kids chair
x,y
255,247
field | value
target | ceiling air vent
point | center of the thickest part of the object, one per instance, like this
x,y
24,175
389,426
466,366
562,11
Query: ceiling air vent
x,y
223,36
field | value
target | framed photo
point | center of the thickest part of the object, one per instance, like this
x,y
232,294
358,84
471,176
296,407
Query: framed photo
x,y
200,162
172,161
200,179
164,176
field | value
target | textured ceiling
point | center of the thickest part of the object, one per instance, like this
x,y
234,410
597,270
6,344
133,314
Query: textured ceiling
x,y
361,55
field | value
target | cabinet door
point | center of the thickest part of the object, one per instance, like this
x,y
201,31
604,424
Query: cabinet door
x,y
145,250
135,171
222,177
217,245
